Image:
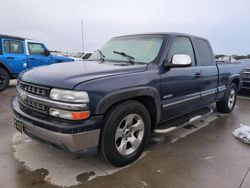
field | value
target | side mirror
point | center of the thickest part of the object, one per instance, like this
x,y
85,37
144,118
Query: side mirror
x,y
46,52
180,60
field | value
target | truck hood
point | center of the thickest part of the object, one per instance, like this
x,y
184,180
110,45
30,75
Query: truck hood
x,y
68,75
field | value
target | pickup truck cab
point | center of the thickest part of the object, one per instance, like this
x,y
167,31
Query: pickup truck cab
x,y
113,101
18,54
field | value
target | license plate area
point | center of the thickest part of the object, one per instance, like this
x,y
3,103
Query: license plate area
x,y
18,124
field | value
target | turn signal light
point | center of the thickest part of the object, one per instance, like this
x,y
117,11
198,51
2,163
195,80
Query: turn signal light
x,y
80,115
71,115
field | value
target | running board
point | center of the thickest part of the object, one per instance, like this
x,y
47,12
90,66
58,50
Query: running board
x,y
183,120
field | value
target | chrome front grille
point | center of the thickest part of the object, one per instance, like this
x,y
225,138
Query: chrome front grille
x,y
35,106
25,89
37,98
37,90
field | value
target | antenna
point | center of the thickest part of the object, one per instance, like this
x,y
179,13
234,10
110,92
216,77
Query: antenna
x,y
82,37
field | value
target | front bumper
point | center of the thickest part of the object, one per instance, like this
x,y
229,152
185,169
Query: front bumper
x,y
81,141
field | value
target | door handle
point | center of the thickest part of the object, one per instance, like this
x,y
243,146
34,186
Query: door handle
x,y
32,59
10,58
197,75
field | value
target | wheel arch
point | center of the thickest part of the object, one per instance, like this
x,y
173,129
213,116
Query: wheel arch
x,y
5,67
148,96
236,81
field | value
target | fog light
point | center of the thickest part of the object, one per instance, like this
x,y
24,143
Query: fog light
x,y
71,115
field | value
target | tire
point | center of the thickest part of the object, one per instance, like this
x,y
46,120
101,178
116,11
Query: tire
x,y
227,105
4,79
125,133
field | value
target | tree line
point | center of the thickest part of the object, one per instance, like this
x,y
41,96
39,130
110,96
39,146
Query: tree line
x,y
237,57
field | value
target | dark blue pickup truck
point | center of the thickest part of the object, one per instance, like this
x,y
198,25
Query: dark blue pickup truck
x,y
113,101
18,54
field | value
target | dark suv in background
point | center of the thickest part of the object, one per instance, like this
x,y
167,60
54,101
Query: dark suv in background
x,y
246,77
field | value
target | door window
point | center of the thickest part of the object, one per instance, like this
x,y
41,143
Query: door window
x,y
181,45
204,52
15,47
36,49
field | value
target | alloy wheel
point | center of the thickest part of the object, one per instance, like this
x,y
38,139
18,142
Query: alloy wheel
x,y
231,98
129,134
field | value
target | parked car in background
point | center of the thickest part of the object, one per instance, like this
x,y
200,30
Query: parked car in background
x,y
246,77
113,101
18,54
82,55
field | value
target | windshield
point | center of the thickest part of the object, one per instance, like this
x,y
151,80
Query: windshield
x,y
142,49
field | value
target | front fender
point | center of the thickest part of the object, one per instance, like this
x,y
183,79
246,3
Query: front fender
x,y
126,94
232,78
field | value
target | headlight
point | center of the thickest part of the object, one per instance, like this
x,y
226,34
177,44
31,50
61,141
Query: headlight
x,y
69,96
65,114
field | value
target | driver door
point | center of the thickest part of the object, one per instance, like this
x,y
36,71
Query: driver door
x,y
36,55
180,86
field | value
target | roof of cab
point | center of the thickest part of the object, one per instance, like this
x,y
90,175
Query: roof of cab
x,y
162,33
11,37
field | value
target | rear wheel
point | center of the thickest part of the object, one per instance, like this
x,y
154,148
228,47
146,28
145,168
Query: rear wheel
x,y
4,79
125,133
227,105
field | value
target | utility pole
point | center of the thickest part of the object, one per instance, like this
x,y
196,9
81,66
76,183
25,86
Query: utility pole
x,y
82,37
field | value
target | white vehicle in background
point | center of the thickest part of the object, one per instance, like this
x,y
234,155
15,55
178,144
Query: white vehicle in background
x,y
82,55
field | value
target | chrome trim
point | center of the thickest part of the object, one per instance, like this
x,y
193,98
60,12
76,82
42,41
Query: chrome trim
x,y
196,95
196,118
222,88
164,131
208,92
33,85
167,130
78,142
245,87
32,108
52,103
36,90
191,97
167,96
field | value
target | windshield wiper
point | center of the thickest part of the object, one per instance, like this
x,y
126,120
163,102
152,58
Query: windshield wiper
x,y
102,56
130,58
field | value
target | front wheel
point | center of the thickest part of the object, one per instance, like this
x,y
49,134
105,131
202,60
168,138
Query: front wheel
x,y
125,133
227,105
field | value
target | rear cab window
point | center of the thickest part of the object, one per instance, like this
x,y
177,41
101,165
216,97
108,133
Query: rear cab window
x,y
204,52
13,46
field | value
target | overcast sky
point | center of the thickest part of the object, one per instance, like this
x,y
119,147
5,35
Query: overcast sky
x,y
226,23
